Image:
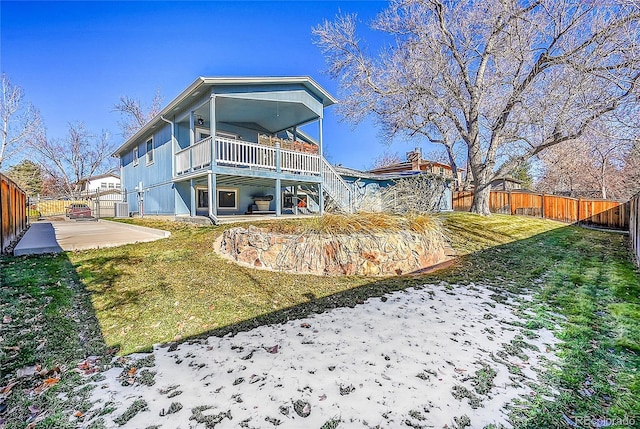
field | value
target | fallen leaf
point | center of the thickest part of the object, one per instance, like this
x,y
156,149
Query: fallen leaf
x,y
50,372
27,371
78,414
132,371
322,397
51,381
46,384
7,319
7,389
272,350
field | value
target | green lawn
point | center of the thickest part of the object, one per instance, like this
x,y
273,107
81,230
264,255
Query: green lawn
x,y
582,281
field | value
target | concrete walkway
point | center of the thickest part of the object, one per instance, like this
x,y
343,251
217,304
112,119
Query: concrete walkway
x,y
57,236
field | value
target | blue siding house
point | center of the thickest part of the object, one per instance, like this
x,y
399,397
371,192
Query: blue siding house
x,y
228,146
231,146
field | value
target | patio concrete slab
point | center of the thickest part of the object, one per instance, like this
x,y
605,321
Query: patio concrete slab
x,y
40,238
58,236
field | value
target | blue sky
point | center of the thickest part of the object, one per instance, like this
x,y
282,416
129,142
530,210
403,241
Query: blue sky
x,y
75,59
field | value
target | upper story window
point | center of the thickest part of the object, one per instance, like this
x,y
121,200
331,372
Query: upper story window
x,y
202,133
103,185
150,151
135,156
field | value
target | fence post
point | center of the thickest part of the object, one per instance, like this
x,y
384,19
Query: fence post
x,y
579,204
542,206
509,201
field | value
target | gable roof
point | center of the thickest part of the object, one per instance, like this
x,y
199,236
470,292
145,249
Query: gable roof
x,y
206,82
100,176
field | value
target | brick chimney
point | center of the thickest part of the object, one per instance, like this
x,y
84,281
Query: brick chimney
x,y
415,156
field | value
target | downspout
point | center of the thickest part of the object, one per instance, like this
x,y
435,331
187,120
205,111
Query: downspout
x,y
212,180
173,159
173,149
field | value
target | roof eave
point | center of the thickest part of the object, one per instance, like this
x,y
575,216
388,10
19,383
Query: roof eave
x,y
164,112
327,99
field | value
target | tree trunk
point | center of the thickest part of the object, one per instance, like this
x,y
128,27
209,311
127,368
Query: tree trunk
x,y
480,202
603,182
454,167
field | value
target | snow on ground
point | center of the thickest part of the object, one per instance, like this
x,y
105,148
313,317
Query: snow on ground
x,y
407,359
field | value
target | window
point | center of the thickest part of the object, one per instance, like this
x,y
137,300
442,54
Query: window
x,y
103,185
442,171
111,185
117,186
227,199
149,151
202,133
203,198
135,155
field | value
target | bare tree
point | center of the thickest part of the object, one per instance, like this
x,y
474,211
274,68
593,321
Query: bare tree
x,y
598,164
386,159
18,118
631,171
78,156
415,194
134,115
508,78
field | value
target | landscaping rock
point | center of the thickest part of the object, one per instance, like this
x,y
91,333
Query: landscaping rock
x,y
379,254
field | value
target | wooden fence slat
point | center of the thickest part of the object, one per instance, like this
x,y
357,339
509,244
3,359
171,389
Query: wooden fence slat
x,y
604,213
633,208
13,212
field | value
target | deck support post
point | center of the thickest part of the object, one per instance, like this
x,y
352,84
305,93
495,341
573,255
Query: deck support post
x,y
321,154
192,202
212,130
192,136
320,198
278,203
213,205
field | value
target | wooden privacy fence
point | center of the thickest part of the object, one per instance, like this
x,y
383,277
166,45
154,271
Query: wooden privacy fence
x,y
603,213
13,212
634,225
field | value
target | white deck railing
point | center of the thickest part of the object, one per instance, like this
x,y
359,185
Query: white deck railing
x,y
238,153
299,162
241,154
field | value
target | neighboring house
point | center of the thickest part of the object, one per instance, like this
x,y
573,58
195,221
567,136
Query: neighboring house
x,y
96,184
415,162
228,146
506,184
366,186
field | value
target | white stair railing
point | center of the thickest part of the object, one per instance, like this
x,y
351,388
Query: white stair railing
x,y
336,187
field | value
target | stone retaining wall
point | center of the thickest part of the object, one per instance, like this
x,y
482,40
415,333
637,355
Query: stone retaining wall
x,y
379,254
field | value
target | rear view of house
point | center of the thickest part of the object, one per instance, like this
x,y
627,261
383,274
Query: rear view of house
x,y
225,144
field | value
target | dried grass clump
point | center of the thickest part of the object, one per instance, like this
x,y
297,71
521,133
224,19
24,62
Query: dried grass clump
x,y
359,223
